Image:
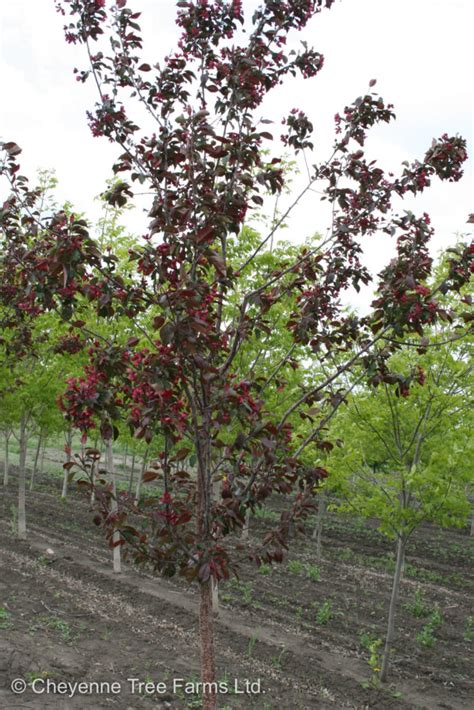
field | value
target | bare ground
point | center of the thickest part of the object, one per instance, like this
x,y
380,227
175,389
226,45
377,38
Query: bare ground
x,y
293,631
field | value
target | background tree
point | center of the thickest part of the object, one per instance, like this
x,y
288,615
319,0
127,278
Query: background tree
x,y
34,383
408,456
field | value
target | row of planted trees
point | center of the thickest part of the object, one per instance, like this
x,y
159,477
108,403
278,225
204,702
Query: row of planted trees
x,y
400,460
230,359
31,420
406,459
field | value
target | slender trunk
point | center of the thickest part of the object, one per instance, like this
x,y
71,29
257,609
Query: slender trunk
x,y
140,477
35,464
7,462
472,524
130,482
206,629
109,466
397,577
216,488
246,527
68,459
124,460
204,495
22,480
215,597
94,467
43,449
318,528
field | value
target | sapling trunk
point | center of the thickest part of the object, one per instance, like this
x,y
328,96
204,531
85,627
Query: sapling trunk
x,y
109,466
94,466
140,477
130,482
65,483
68,459
124,459
215,597
397,577
206,630
246,527
22,480
318,528
6,464
472,524
43,449
204,497
36,460
216,487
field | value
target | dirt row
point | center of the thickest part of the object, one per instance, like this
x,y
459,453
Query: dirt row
x,y
299,631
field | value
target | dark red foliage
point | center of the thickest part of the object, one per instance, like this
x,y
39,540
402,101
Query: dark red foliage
x,y
221,451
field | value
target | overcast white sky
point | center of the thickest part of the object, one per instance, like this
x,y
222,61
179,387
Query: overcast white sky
x,y
420,52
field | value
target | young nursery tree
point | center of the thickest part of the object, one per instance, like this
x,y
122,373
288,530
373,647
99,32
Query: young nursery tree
x,y
30,386
177,376
408,459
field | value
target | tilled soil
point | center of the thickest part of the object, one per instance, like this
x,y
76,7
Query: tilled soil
x,y
296,634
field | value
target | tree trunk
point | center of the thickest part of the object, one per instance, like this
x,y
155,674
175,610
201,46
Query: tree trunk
x,y
472,524
206,629
246,527
397,577
68,459
140,477
215,597
43,449
130,481
204,500
22,480
216,488
124,459
94,467
109,466
35,464
318,528
6,462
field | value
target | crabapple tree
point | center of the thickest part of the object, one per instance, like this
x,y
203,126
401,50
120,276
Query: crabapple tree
x,y
224,450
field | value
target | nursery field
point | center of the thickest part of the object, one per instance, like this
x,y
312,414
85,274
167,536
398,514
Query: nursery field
x,y
298,635
234,319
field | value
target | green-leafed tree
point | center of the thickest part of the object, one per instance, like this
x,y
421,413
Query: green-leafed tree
x,y
409,459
